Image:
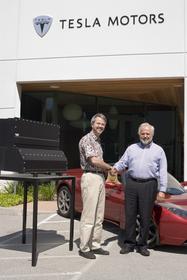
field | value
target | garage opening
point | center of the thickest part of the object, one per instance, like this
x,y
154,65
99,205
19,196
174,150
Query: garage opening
x,y
126,103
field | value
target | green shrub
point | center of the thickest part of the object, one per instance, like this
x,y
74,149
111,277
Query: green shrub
x,y
16,188
13,193
9,199
47,191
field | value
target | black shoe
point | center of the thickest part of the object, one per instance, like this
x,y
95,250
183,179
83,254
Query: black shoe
x,y
143,251
87,255
101,251
126,249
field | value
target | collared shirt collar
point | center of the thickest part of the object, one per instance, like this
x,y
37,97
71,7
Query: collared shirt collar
x,y
94,136
145,146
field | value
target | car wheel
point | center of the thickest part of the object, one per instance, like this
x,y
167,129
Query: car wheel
x,y
64,201
153,233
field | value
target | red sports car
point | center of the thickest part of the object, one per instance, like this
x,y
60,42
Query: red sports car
x,y
169,219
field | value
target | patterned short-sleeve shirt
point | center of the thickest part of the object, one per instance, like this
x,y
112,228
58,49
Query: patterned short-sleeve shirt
x,y
90,146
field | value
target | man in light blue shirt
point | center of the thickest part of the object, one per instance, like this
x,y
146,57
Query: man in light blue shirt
x,y
146,164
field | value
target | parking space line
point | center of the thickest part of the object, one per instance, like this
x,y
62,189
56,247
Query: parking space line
x,y
91,263
29,275
47,219
11,238
20,233
30,244
40,258
66,231
56,222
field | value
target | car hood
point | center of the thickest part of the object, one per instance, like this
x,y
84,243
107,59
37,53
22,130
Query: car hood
x,y
180,200
172,205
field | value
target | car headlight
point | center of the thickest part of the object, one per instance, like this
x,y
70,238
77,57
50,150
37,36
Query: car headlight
x,y
177,211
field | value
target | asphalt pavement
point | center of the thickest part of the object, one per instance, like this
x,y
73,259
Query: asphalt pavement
x,y
55,261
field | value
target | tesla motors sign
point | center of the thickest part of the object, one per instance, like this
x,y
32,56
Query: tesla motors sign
x,y
43,23
107,27
124,20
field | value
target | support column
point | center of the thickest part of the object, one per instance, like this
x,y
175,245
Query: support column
x,y
185,129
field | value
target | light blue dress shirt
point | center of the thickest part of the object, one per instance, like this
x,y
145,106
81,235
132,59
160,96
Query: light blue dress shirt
x,y
145,161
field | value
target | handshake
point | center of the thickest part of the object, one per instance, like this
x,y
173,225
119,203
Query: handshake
x,y
112,177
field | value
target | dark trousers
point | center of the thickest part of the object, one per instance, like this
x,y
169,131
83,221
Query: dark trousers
x,y
139,199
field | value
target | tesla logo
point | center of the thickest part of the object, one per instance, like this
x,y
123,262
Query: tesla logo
x,y
42,24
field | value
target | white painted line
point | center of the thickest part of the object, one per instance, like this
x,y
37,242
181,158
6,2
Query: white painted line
x,y
11,238
40,275
47,219
56,222
20,233
66,231
40,257
91,263
29,244
15,244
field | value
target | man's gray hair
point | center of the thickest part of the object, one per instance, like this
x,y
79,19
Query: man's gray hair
x,y
98,115
146,124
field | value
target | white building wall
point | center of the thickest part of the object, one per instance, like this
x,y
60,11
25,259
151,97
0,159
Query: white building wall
x,y
124,51
141,66
9,101
101,39
9,37
133,50
9,28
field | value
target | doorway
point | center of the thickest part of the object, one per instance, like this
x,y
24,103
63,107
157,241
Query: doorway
x,y
74,111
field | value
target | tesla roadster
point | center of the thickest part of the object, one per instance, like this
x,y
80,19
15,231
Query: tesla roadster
x,y
169,219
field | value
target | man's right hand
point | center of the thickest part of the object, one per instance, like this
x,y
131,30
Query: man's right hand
x,y
113,171
112,179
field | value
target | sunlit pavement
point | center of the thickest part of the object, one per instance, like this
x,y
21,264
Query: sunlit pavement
x,y
55,261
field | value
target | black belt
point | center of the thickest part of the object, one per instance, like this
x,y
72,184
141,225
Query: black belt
x,y
94,171
139,180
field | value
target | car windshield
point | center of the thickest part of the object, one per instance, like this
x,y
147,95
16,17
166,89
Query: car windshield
x,y
174,187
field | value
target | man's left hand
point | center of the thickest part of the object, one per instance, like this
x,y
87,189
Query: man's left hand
x,y
160,196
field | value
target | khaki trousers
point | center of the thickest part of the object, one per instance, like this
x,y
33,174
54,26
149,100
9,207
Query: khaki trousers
x,y
93,198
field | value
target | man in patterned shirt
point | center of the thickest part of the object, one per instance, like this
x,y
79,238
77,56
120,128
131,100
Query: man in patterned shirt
x,y
92,189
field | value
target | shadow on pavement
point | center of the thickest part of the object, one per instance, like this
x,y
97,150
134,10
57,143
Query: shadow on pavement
x,y
172,249
115,229
120,236
46,240
108,226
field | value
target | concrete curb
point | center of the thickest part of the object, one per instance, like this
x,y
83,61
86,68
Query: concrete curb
x,y
43,207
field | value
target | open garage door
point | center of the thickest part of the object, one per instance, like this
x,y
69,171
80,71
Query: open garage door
x,y
126,103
